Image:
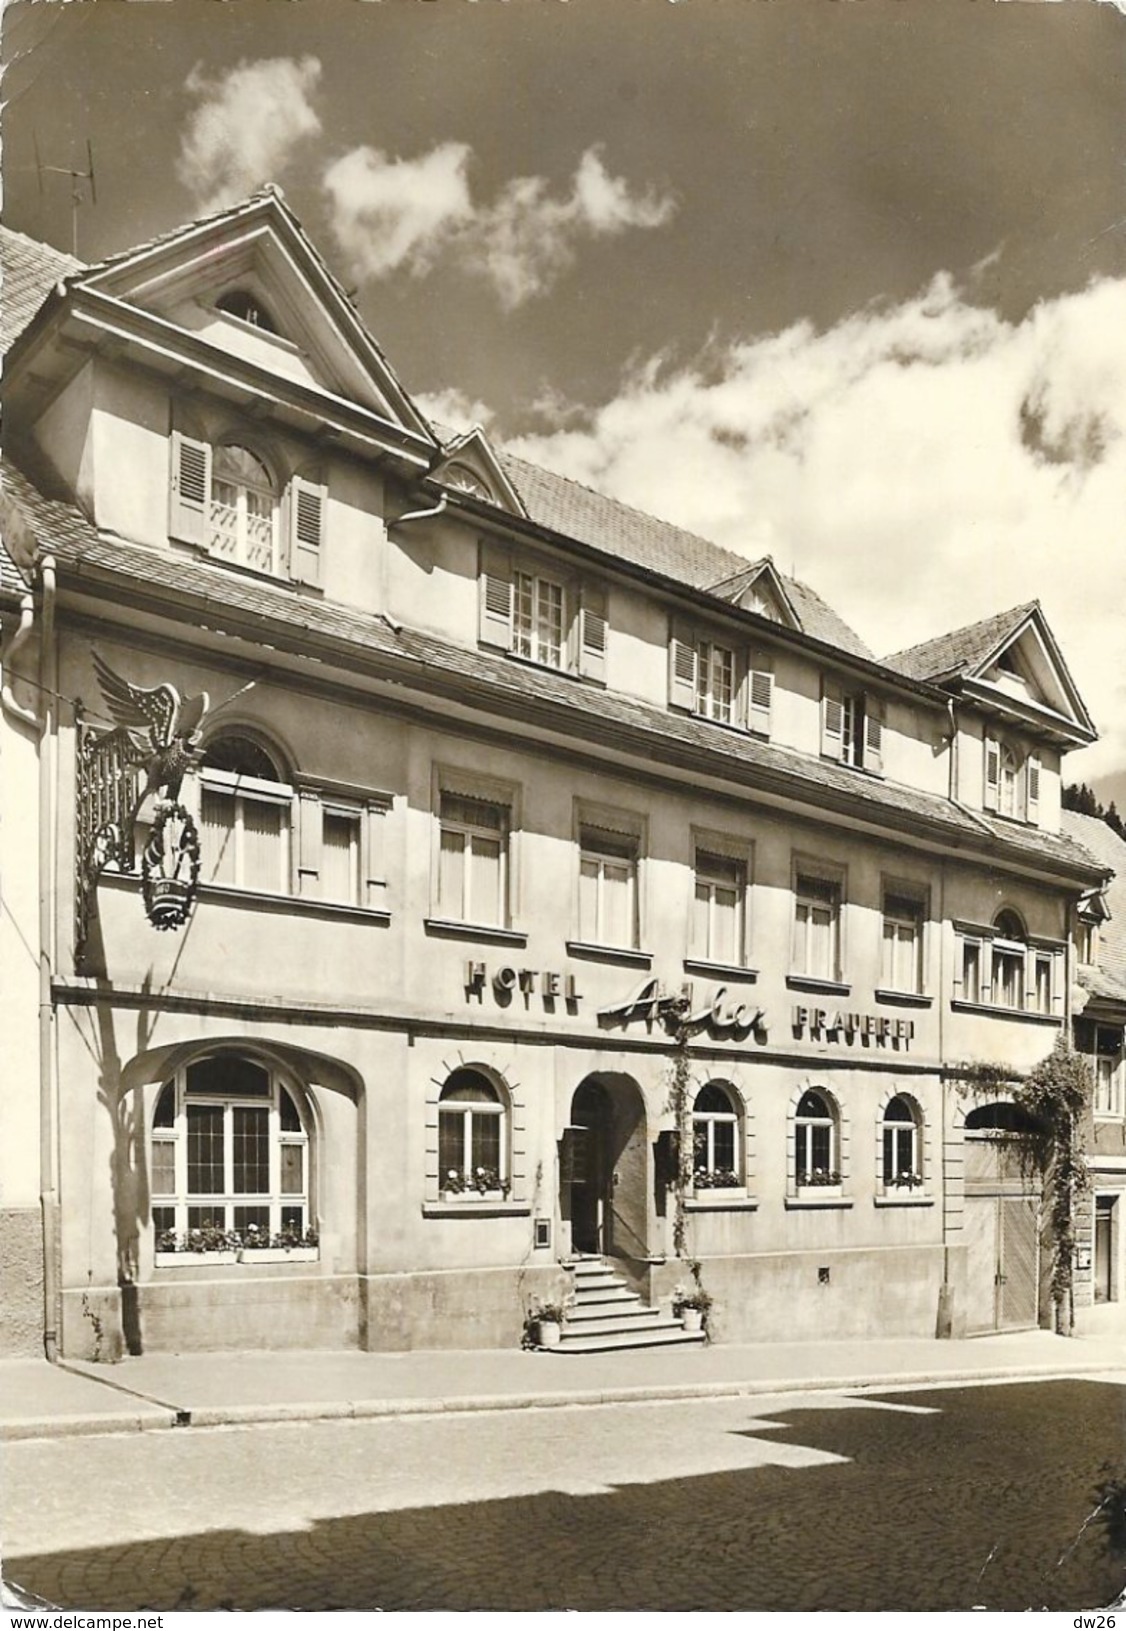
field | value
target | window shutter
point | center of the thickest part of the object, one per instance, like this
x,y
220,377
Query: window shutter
x,y
683,663
592,631
495,606
307,502
832,720
190,491
1032,788
992,773
874,735
759,693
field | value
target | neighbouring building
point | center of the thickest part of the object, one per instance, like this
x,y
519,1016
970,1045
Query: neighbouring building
x,y
568,885
1100,1028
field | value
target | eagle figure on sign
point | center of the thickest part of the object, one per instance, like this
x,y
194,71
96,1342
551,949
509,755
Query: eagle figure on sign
x,y
163,729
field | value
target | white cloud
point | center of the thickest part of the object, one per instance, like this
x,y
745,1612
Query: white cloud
x,y
921,465
452,409
389,214
246,126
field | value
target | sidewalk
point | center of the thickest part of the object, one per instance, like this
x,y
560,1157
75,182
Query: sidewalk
x,y
38,1400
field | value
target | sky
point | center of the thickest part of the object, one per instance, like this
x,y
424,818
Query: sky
x,y
841,281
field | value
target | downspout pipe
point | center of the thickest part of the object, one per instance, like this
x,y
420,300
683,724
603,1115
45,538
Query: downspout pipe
x,y
48,1192
421,515
14,709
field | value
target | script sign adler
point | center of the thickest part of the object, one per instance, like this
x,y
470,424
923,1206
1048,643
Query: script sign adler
x,y
651,1001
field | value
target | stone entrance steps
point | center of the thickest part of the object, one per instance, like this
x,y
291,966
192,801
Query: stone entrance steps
x,y
605,1315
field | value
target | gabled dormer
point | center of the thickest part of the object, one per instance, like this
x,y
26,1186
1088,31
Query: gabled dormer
x,y
468,465
248,281
1011,666
1017,710
760,589
236,308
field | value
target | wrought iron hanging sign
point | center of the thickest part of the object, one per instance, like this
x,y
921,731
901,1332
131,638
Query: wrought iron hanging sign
x,y
154,742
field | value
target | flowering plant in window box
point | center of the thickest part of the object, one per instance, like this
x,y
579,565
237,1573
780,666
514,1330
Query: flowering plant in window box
x,y
906,1180
487,1180
208,1243
287,1239
819,1178
717,1178
484,1181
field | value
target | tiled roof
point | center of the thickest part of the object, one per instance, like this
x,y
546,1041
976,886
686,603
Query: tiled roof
x,y
1108,978
964,649
31,270
566,506
212,591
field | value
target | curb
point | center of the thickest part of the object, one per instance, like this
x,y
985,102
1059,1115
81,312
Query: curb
x,y
84,1426
245,1415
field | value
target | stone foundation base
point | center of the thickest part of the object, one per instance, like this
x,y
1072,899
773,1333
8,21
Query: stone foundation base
x,y
200,1316
21,1281
804,1296
456,1308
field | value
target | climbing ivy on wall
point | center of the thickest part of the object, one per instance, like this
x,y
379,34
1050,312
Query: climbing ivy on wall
x,y
1055,1094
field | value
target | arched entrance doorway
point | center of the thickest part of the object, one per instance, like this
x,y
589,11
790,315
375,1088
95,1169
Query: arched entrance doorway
x,y
1002,1220
604,1169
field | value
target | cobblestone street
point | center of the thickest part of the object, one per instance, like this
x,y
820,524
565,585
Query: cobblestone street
x,y
920,1500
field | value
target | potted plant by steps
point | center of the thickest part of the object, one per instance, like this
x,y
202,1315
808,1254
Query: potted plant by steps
x,y
691,1306
543,1327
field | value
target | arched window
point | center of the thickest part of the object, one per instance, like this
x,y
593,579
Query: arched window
x,y
246,306
901,1167
716,1162
1009,958
816,1141
245,811
1001,1119
243,519
229,1159
472,1135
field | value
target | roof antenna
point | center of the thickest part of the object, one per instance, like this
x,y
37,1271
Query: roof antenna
x,y
77,178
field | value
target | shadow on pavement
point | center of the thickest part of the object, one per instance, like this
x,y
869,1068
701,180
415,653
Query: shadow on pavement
x,y
996,1500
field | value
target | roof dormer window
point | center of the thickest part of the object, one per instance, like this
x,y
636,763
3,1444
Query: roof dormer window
x,y
247,308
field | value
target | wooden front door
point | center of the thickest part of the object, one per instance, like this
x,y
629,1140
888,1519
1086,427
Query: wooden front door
x,y
1104,1248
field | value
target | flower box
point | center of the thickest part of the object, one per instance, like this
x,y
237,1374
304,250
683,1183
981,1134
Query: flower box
x,y
280,1254
187,1260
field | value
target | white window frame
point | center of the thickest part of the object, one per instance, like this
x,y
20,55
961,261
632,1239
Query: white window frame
x,y
602,847
482,833
709,860
353,814
896,897
815,893
181,1202
1109,1071
805,1128
894,1181
530,592
449,1110
704,1123
243,790
717,682
243,489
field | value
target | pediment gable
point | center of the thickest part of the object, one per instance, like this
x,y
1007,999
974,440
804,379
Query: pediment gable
x,y
760,589
1025,671
249,282
470,466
